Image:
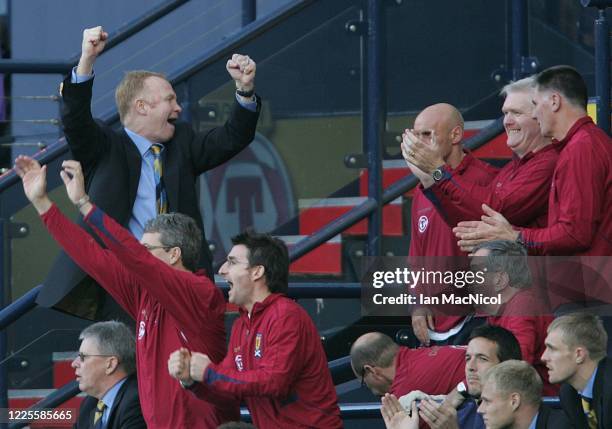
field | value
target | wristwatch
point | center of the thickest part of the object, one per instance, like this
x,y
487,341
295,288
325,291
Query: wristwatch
x,y
438,174
462,390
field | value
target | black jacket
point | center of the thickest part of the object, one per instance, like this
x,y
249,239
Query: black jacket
x,y
125,414
551,418
602,399
112,164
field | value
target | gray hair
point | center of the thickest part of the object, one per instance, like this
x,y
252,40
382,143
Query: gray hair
x,y
523,85
179,230
582,329
508,257
115,339
516,376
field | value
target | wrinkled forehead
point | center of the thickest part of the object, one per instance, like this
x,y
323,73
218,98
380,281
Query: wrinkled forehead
x,y
157,85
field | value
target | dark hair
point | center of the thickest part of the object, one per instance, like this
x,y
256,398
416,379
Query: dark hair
x,y
507,345
567,81
269,252
179,230
115,339
507,257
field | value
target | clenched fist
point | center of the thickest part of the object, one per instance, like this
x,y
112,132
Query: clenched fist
x,y
94,41
242,69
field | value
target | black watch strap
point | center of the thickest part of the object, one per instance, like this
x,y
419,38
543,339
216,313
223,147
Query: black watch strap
x,y
246,94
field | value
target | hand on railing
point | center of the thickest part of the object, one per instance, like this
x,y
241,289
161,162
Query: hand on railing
x,y
94,41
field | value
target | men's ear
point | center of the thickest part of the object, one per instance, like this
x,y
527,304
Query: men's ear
x,y
555,101
176,255
140,107
257,272
581,355
515,400
457,134
111,365
501,281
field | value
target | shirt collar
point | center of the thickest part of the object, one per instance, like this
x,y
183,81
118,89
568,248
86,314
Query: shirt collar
x,y
573,130
111,394
587,392
532,425
141,142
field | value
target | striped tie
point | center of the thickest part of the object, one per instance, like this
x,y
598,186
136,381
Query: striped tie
x,y
98,414
160,190
589,413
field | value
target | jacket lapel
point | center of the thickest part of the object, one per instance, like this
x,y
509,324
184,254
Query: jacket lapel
x,y
133,165
171,174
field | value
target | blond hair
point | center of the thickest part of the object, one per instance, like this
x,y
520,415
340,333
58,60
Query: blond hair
x,y
516,376
130,87
582,329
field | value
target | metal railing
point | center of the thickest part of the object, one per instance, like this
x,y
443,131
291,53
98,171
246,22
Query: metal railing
x,y
373,120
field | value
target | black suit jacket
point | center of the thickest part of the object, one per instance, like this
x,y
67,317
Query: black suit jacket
x,y
551,418
125,414
112,164
602,399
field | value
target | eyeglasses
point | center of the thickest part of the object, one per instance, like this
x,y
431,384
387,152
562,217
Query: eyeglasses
x,y
363,373
82,356
149,247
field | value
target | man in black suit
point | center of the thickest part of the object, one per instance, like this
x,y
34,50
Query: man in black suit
x,y
511,398
105,369
122,166
575,355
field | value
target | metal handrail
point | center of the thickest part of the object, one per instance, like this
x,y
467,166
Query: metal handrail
x,y
391,193
58,397
19,307
122,34
229,45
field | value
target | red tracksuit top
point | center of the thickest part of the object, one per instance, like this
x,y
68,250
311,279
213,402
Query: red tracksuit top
x,y
172,309
430,234
579,217
276,365
580,198
434,370
525,316
519,191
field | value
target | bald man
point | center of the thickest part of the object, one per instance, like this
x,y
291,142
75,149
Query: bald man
x,y
439,128
385,367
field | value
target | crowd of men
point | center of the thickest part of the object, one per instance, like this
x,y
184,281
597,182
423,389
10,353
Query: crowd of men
x,y
143,248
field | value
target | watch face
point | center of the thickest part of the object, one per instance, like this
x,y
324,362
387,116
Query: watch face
x,y
437,174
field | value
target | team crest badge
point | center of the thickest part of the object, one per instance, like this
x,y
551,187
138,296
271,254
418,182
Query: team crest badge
x,y
238,360
141,330
423,223
258,345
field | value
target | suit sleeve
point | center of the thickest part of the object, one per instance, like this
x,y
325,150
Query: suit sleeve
x,y
86,138
210,149
176,291
578,182
276,370
99,263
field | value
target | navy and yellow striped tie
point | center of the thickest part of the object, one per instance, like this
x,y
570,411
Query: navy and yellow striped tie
x,y
589,412
98,414
160,190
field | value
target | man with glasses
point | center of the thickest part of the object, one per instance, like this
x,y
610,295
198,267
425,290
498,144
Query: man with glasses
x,y
385,367
523,310
275,361
174,306
105,369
